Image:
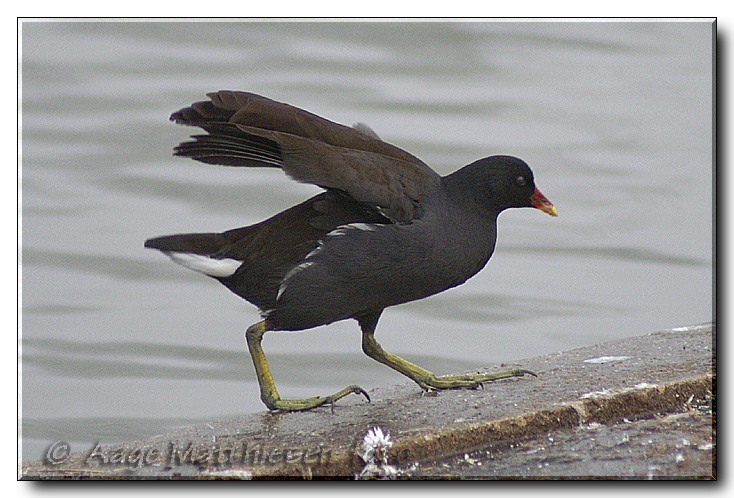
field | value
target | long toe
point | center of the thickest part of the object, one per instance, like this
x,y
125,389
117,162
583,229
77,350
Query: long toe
x,y
296,405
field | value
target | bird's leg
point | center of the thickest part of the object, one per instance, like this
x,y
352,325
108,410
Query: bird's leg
x,y
425,379
268,393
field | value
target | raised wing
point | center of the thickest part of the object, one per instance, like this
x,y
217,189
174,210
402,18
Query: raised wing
x,y
245,129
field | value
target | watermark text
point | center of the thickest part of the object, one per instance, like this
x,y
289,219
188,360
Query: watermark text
x,y
177,453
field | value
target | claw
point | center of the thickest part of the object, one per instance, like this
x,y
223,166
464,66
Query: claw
x,y
523,372
364,393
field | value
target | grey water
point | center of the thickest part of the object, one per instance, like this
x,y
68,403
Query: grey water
x,y
117,343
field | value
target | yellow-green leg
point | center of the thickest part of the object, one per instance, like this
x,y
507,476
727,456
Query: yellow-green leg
x,y
427,380
268,393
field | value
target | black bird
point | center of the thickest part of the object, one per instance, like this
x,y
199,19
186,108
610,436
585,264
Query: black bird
x,y
386,230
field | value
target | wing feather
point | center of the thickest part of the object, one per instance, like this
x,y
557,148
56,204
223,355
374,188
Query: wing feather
x,y
245,129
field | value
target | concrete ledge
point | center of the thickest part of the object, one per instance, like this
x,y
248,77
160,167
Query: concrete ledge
x,y
612,383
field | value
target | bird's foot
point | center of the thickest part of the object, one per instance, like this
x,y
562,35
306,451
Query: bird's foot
x,y
468,381
295,405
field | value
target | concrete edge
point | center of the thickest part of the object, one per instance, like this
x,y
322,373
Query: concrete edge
x,y
633,403
609,407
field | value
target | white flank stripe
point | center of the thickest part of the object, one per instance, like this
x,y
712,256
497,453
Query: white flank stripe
x,y
342,229
204,264
291,272
317,250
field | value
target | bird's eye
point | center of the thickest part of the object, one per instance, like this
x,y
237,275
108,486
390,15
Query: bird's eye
x,y
520,180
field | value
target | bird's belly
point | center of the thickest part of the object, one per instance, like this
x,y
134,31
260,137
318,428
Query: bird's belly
x,y
370,271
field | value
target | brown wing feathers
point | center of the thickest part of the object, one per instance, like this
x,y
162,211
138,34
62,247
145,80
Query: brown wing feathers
x,y
245,129
249,109
227,145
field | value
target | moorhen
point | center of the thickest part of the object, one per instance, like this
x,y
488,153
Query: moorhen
x,y
386,230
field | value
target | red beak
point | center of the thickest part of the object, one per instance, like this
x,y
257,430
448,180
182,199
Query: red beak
x,y
539,201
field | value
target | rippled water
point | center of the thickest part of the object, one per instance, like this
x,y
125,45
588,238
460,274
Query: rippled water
x,y
118,343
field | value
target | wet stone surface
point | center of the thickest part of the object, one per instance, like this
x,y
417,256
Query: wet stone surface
x,y
679,445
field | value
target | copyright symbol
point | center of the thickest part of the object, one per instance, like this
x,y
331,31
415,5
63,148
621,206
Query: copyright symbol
x,y
58,452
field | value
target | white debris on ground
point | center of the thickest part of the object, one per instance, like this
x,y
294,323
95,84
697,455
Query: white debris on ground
x,y
374,453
